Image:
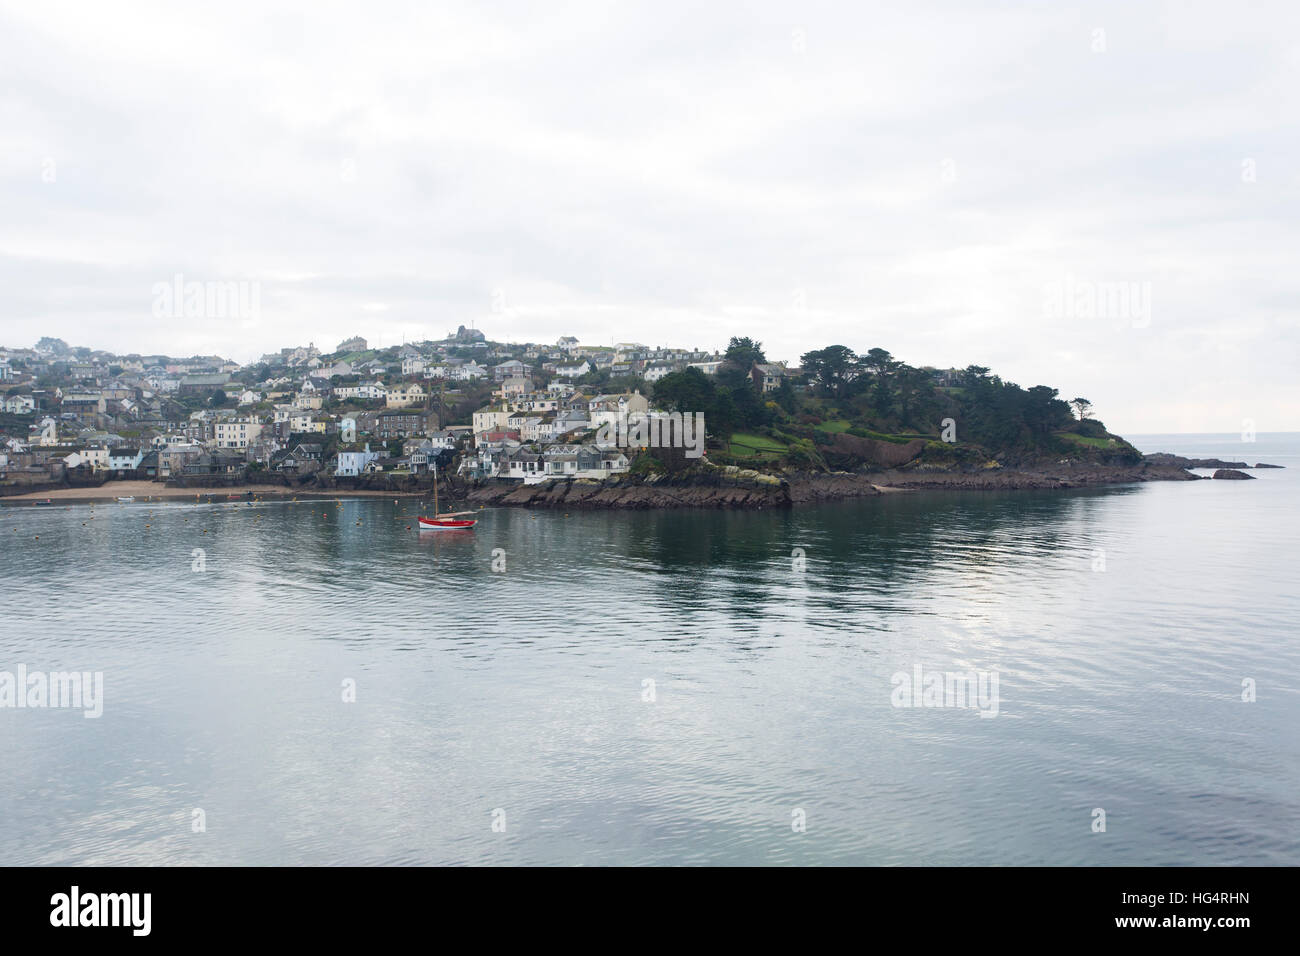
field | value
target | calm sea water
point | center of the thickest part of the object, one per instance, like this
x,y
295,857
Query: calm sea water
x,y
1120,623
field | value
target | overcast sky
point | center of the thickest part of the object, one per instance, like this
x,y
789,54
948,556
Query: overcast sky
x,y
951,182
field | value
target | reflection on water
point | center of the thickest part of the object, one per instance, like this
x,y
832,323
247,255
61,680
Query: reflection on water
x,y
770,639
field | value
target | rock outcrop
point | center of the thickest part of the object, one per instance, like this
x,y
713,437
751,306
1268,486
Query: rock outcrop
x,y
729,487
1164,458
1233,474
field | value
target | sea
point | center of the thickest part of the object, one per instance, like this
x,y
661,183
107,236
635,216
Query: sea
x,y
1092,677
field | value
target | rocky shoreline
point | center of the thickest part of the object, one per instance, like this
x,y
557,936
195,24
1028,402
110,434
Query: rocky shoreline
x,y
711,486
735,488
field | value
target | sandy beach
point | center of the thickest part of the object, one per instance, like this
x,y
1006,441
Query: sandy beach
x,y
154,491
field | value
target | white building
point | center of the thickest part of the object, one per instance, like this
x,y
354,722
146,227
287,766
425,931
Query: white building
x,y
125,459
353,463
237,433
573,371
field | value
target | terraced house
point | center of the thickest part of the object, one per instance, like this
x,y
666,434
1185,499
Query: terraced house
x,y
390,425
237,433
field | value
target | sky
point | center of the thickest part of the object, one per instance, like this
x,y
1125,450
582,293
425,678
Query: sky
x,y
1098,197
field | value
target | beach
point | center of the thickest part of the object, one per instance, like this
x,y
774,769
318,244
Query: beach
x,y
156,491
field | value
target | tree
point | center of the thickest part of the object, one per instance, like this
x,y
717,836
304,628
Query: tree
x,y
882,366
218,398
685,391
743,352
832,368
1082,406
877,360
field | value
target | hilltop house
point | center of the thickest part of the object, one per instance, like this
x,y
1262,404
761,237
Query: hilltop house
x,y
767,378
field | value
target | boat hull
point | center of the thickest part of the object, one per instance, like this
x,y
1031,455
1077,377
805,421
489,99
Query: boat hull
x,y
446,524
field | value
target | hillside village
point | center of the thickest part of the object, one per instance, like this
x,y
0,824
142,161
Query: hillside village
x,y
511,411
488,411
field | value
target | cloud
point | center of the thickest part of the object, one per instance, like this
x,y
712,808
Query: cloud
x,y
805,174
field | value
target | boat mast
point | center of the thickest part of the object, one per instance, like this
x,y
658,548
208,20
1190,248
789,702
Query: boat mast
x,y
435,489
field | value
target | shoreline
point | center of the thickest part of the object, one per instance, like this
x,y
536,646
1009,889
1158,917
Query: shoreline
x,y
723,488
150,491
741,489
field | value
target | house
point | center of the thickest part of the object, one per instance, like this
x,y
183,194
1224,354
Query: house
x,y
413,365
489,419
511,369
534,402
516,387
148,466
573,371
468,372
122,460
536,429
83,406
299,422
309,451
96,456
563,460
203,384
400,424
249,397
708,368
443,440
214,463
611,462
767,378
567,343
237,433
655,371
613,408
6,372
80,459
305,422
523,465
353,463
173,457
406,395
570,420
369,392
304,457
20,405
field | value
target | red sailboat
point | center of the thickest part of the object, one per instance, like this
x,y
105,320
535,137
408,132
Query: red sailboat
x,y
451,521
